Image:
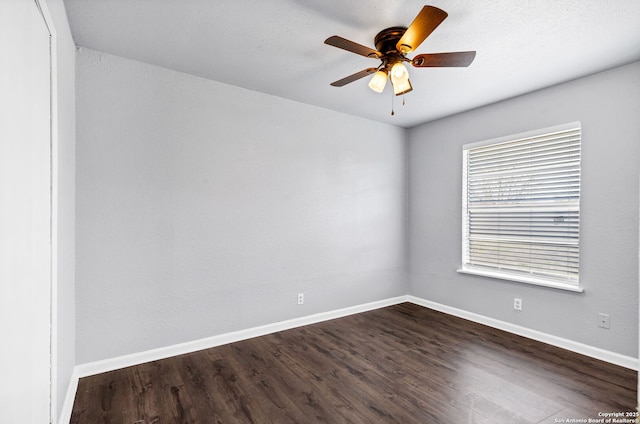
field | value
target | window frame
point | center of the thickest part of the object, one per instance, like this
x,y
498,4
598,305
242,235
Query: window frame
x,y
570,284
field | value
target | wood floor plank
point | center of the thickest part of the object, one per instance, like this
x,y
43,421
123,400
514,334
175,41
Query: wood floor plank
x,y
401,364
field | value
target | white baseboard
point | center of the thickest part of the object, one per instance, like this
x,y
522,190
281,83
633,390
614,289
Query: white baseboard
x,y
92,368
67,406
222,339
583,349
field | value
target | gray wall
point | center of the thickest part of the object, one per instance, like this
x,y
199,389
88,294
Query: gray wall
x,y
204,208
64,292
608,105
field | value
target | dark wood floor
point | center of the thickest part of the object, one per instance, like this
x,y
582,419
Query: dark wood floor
x,y
401,364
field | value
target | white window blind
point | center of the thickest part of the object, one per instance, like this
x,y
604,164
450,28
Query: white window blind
x,y
521,206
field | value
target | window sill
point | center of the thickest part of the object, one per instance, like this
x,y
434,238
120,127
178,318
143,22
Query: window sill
x,y
522,279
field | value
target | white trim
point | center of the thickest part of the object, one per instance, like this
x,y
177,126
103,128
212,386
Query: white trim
x,y
67,406
97,367
533,280
53,169
92,368
43,7
583,349
111,364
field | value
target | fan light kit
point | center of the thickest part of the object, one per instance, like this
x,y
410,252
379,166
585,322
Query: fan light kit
x,y
392,46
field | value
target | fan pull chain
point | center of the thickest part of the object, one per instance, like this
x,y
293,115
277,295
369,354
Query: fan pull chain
x,y
392,111
403,103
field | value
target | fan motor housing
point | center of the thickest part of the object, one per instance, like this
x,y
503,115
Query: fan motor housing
x,y
387,39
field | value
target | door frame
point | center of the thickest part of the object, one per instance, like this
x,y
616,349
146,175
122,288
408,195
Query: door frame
x,y
53,210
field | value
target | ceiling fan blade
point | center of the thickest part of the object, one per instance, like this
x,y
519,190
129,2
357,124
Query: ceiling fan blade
x,y
354,77
437,60
350,46
427,20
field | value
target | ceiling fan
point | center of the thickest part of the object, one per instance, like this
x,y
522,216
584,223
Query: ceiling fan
x,y
392,46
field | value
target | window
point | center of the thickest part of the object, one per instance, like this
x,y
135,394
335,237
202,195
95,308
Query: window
x,y
521,207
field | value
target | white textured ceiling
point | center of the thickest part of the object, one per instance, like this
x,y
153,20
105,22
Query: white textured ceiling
x,y
276,46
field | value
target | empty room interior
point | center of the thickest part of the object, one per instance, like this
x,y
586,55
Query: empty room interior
x,y
243,230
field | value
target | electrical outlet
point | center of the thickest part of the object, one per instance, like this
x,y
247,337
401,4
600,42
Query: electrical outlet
x,y
300,298
603,321
517,304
